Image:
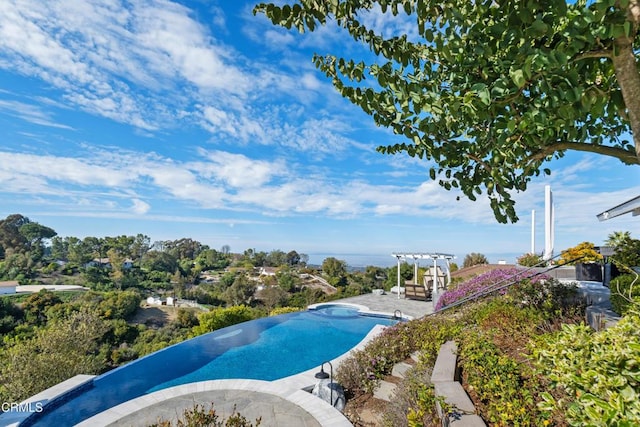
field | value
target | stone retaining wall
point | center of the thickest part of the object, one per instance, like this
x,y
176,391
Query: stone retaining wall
x,y
460,411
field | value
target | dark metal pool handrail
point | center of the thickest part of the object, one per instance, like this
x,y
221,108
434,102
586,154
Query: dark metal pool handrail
x,y
512,280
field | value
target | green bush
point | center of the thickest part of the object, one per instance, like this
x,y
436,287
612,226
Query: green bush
x,y
414,402
187,318
199,417
503,389
599,373
10,316
623,290
62,349
283,310
494,339
549,296
491,349
50,268
221,318
530,260
628,253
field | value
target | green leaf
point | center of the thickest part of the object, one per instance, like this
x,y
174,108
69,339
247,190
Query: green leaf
x,y
518,78
484,96
538,27
285,12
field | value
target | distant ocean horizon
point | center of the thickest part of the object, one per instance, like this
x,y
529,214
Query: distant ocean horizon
x,y
357,260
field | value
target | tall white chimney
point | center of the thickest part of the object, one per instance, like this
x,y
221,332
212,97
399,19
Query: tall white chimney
x,y
549,228
533,231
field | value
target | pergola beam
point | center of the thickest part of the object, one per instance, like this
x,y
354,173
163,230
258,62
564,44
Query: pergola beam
x,y
631,206
413,255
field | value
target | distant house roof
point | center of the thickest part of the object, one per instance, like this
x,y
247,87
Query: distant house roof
x,y
631,206
268,271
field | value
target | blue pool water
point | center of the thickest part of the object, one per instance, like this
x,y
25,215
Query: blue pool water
x,y
264,349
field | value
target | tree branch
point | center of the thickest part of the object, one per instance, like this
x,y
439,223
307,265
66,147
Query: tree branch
x,y
628,76
604,53
625,156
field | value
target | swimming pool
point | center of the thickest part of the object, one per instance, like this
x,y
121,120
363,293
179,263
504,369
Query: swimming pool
x,y
264,349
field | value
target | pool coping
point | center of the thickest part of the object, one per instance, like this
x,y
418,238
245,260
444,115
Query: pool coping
x,y
321,411
362,309
48,396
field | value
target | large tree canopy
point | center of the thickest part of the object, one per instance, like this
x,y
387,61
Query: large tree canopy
x,y
490,89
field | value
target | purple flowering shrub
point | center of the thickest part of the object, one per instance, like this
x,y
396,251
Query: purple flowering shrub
x,y
484,282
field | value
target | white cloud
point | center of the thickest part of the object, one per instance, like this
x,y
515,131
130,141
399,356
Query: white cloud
x,y
59,169
140,207
30,113
389,25
238,170
97,52
310,81
152,65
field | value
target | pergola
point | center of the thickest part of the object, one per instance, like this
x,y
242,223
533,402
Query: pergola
x,y
631,206
417,256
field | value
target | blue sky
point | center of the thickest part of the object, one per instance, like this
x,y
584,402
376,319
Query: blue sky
x,y
197,119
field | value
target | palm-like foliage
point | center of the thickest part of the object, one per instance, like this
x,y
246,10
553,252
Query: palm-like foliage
x,y
474,258
617,238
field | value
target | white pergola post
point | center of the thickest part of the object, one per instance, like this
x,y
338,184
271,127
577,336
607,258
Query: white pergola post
x,y
533,232
435,277
433,256
448,272
398,276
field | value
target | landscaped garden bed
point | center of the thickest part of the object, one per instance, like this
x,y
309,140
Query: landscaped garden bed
x,y
526,359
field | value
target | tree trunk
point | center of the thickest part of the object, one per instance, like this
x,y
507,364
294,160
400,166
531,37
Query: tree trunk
x,y
627,73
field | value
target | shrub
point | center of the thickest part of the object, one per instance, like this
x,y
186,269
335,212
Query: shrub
x,y
550,296
628,253
496,371
361,372
10,316
414,402
474,258
623,290
35,306
283,310
530,260
199,417
221,318
482,283
64,348
50,268
186,318
502,388
600,373
583,252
